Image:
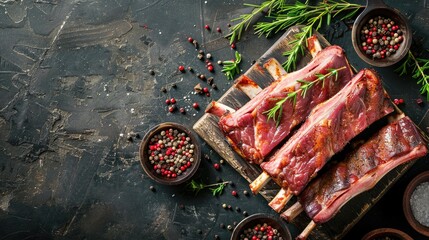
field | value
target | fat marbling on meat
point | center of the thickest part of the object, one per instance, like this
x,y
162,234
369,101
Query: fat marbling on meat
x,y
253,135
329,127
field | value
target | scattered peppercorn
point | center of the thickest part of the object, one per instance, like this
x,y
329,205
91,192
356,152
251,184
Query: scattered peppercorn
x,y
195,105
234,193
205,90
200,56
210,68
233,45
190,39
235,223
237,209
163,89
218,30
224,205
173,101
216,166
214,86
152,188
151,72
222,225
173,85
219,62
172,108
130,139
216,237
190,69
182,110
229,227
199,231
398,101
202,77
207,157
246,193
207,27
221,161
208,56
245,213
167,101
181,68
419,101
229,207
207,94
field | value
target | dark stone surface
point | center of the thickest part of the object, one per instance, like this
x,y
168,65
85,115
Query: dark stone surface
x,y
75,80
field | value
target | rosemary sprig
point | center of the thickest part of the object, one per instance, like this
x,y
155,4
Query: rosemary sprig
x,y
215,188
275,112
285,15
246,19
420,68
231,68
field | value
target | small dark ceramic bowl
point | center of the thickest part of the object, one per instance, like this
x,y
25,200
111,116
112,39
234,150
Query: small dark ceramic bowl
x,y
421,178
386,232
260,218
373,9
148,167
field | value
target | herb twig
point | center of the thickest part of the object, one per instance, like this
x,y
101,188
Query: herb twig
x,y
284,15
275,112
420,71
231,68
215,188
246,19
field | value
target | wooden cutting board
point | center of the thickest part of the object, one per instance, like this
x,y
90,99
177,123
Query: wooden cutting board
x,y
207,128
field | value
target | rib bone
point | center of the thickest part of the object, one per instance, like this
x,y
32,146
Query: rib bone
x,y
218,109
259,182
292,212
280,200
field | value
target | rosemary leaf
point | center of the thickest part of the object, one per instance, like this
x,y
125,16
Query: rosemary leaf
x,y
231,68
276,111
420,68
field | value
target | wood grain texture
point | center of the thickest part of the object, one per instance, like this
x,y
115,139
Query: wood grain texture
x,y
207,128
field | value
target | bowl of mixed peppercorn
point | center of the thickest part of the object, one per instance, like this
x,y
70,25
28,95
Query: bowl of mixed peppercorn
x,y
170,153
261,226
381,35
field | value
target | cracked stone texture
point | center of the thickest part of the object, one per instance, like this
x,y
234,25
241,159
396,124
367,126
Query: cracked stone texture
x,y
74,81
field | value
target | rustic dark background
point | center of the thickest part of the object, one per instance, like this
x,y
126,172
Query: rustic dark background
x,y
75,81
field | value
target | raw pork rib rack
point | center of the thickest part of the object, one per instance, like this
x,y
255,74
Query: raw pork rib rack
x,y
234,98
395,144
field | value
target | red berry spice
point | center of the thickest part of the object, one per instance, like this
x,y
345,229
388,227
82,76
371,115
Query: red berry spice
x,y
171,108
216,166
173,101
210,68
190,39
167,101
195,105
218,30
235,194
207,27
233,46
181,68
205,90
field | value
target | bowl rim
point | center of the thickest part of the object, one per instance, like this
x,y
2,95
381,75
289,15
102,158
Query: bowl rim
x,y
404,48
144,144
256,216
379,232
416,181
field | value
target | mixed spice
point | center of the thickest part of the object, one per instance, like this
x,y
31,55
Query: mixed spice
x,y
381,37
171,152
261,231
